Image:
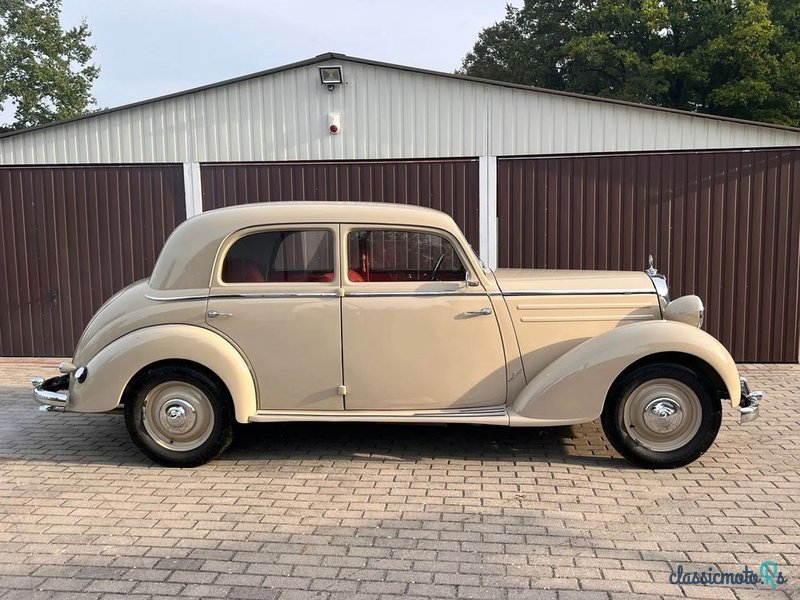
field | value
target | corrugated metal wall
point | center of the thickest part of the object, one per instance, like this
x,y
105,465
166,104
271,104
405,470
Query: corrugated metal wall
x,y
723,225
451,186
72,237
386,113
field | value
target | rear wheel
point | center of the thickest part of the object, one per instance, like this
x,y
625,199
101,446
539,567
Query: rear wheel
x,y
662,415
179,417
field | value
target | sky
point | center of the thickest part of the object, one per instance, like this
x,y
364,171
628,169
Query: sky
x,y
146,48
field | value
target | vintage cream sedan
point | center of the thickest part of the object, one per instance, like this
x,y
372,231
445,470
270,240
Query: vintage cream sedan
x,y
369,312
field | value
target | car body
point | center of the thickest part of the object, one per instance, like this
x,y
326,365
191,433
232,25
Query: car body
x,y
335,311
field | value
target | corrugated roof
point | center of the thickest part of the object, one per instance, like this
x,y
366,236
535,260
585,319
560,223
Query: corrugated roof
x,y
328,56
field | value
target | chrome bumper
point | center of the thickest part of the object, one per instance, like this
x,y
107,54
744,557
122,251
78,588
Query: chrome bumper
x,y
748,405
53,393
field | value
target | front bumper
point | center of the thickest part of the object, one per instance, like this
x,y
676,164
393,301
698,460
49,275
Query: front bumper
x,y
749,403
53,393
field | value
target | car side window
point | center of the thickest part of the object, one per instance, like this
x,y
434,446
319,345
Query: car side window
x,y
397,255
293,256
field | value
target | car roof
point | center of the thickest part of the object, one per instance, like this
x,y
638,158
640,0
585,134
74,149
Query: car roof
x,y
333,211
187,258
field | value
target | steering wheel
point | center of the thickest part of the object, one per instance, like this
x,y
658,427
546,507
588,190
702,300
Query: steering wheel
x,y
437,266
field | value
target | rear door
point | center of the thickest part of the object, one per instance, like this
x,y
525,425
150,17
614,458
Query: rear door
x,y
275,295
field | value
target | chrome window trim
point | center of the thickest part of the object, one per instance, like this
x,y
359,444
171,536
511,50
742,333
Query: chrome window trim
x,y
332,294
458,248
232,238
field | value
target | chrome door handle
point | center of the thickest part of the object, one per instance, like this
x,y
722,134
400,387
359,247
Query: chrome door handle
x,y
213,314
478,313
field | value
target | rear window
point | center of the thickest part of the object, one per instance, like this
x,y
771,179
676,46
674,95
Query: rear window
x,y
296,256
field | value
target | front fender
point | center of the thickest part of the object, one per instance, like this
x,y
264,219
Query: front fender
x,y
573,388
111,369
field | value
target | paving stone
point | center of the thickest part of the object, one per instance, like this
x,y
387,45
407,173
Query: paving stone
x,y
328,511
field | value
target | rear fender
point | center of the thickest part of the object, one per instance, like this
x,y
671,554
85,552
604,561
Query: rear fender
x,y
111,369
573,388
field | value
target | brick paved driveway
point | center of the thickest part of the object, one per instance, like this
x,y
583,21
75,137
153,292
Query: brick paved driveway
x,y
351,511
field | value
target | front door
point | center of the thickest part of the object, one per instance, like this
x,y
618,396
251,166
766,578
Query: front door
x,y
415,335
275,296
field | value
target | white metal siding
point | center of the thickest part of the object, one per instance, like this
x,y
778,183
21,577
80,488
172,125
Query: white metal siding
x,y
385,113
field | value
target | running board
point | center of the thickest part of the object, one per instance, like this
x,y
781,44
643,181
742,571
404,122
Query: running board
x,y
488,415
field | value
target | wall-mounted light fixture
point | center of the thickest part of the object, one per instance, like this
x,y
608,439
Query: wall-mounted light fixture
x,y
330,76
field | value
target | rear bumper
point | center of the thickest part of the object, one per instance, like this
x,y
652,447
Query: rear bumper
x,y
53,393
749,403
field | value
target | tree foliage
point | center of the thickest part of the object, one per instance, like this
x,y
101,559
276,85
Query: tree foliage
x,y
739,58
46,71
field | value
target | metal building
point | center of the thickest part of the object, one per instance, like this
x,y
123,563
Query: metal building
x,y
536,178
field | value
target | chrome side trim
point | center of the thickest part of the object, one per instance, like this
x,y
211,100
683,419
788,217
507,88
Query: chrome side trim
x,y
492,415
539,307
349,294
332,294
620,292
175,298
614,318
462,412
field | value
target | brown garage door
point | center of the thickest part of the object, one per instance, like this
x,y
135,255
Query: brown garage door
x,y
72,236
723,225
447,185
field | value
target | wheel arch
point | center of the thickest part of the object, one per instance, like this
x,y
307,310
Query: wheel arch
x,y
179,363
573,388
685,359
112,370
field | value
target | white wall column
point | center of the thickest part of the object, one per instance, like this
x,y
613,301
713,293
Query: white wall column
x,y
192,188
488,247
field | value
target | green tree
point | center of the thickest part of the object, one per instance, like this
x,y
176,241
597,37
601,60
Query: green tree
x,y
739,58
46,71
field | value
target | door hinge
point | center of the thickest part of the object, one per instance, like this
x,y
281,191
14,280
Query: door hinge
x,y
342,390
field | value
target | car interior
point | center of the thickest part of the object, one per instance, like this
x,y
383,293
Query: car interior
x,y
306,256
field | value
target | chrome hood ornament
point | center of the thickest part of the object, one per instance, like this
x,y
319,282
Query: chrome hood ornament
x,y
650,270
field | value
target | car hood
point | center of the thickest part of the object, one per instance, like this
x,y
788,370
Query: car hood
x,y
548,281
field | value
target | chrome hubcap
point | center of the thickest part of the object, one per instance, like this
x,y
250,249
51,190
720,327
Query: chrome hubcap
x,y
178,416
662,414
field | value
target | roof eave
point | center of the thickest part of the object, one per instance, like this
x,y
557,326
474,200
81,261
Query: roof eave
x,y
337,56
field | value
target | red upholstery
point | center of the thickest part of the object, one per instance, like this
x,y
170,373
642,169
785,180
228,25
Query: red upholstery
x,y
299,277
404,275
242,270
354,275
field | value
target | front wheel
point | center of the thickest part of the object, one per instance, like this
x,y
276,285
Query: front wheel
x,y
179,417
662,416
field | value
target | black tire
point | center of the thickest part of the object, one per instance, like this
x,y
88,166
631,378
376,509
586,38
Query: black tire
x,y
215,431
648,451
